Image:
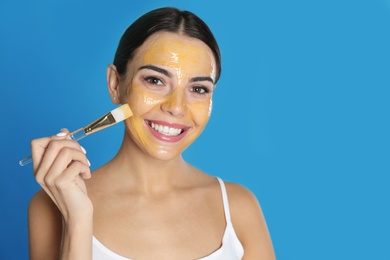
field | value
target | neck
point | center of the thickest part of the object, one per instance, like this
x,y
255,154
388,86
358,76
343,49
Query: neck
x,y
140,171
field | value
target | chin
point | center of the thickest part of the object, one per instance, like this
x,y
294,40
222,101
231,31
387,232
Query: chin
x,y
165,154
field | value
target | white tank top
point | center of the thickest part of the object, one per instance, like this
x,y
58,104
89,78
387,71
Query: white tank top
x,y
231,248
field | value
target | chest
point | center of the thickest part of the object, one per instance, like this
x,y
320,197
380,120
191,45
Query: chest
x,y
171,227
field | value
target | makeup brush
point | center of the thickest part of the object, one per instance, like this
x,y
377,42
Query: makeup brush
x,y
115,116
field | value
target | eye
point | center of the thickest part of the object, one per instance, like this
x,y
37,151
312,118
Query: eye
x,y
199,90
154,81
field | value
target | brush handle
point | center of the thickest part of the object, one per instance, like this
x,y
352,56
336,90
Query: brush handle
x,y
25,161
76,135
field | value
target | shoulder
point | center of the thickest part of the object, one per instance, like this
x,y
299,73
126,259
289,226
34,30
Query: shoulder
x,y
44,227
241,194
41,202
243,203
249,222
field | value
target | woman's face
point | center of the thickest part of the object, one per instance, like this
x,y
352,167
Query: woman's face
x,y
169,85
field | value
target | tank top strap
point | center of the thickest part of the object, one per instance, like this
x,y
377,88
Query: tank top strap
x,y
225,200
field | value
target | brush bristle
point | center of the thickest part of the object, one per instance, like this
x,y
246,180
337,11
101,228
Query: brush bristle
x,y
121,113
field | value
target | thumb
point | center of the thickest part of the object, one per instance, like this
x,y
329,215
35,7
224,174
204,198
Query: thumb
x,y
63,134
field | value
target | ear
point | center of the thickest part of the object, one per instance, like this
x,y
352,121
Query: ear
x,y
113,80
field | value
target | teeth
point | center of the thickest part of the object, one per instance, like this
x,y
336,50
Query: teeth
x,y
166,130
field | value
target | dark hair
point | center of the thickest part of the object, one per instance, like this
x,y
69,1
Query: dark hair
x,y
164,19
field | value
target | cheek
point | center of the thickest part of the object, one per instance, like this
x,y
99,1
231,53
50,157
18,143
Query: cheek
x,y
201,111
141,101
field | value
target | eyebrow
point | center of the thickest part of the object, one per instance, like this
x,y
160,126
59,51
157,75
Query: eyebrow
x,y
166,73
202,79
157,69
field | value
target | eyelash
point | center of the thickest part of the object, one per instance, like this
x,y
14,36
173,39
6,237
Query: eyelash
x,y
153,80
201,88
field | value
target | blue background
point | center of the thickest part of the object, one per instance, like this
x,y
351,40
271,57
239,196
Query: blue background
x,y
301,113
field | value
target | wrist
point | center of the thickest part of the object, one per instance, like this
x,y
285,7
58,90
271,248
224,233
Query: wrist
x,y
78,223
77,238
84,216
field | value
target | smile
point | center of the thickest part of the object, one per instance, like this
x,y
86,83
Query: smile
x,y
165,130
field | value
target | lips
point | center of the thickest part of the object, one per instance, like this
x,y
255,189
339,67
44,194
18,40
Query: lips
x,y
165,131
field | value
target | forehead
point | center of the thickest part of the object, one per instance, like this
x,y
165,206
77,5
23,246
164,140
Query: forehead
x,y
175,50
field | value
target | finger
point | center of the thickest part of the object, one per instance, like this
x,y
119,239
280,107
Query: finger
x,y
71,153
39,145
38,148
69,190
70,176
62,160
65,130
53,151
63,134
67,158
52,182
75,157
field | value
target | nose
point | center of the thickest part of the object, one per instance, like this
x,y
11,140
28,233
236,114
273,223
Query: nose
x,y
175,103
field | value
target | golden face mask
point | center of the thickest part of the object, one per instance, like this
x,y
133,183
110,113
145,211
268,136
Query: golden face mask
x,y
169,87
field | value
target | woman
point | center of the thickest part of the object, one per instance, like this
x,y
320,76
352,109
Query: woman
x,y
147,202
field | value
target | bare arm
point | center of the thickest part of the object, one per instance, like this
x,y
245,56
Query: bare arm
x,y
50,237
249,223
44,228
60,215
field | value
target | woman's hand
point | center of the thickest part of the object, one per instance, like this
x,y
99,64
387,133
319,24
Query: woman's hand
x,y
60,167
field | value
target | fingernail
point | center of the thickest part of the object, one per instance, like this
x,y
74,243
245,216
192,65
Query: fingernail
x,y
89,162
61,134
82,149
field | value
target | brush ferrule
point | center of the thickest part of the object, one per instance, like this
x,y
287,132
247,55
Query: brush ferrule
x,y
99,124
